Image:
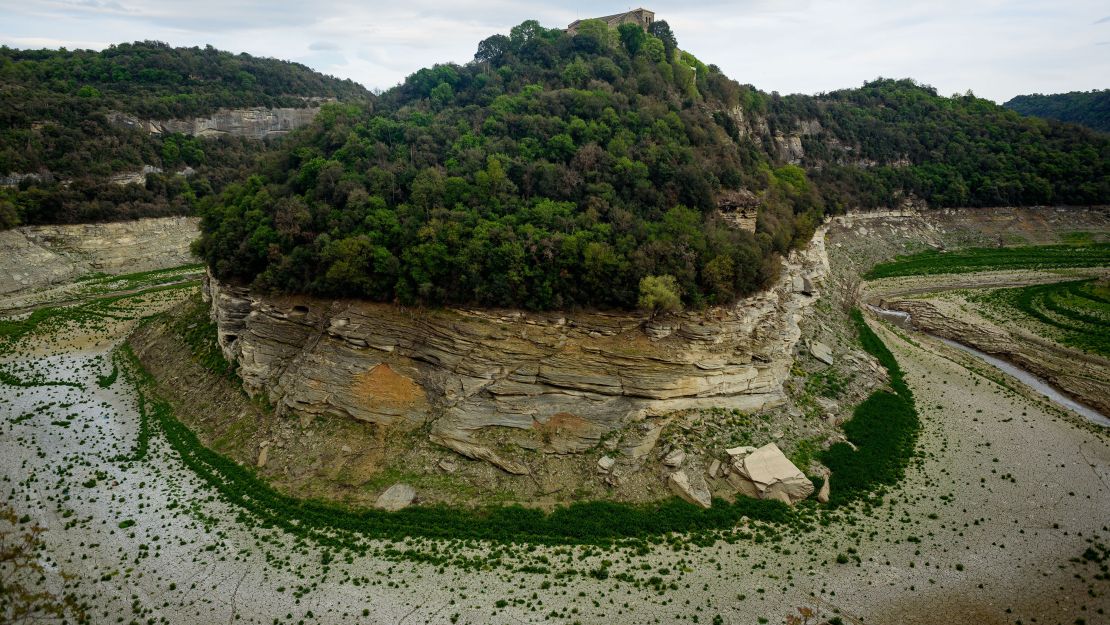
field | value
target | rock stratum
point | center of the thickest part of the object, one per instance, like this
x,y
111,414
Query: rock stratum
x,y
39,256
1086,377
572,377
255,122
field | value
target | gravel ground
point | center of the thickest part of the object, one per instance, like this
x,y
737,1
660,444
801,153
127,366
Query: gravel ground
x,y
1004,495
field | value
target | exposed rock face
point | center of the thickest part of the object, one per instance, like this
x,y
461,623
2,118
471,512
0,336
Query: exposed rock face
x,y
767,473
37,256
396,497
692,489
255,123
571,378
1083,376
789,147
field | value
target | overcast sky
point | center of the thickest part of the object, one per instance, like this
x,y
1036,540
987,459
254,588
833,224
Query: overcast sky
x,y
996,48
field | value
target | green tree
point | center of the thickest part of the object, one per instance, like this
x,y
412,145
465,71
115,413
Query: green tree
x,y
492,49
661,30
659,294
632,37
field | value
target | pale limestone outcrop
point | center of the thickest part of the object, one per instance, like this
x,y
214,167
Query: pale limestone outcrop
x,y
567,378
39,256
789,147
767,473
254,123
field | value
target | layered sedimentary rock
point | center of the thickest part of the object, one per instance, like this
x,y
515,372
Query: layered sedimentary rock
x,y
254,123
1081,375
568,377
38,256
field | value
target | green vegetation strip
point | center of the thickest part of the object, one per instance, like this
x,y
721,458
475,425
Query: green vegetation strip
x,y
884,429
10,379
11,330
1079,310
994,259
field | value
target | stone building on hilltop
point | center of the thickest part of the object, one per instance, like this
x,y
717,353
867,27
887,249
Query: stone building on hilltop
x,y
641,16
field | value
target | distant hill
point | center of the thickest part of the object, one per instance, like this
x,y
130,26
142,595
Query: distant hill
x,y
1090,108
64,154
561,170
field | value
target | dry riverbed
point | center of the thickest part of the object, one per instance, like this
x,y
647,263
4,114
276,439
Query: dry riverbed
x,y
990,525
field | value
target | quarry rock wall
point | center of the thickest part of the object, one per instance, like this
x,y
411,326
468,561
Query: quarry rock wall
x,y
254,122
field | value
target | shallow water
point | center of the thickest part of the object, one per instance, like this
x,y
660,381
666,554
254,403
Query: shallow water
x,y
902,320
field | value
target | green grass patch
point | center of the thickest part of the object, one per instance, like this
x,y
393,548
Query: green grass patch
x,y
199,332
884,428
994,259
1077,312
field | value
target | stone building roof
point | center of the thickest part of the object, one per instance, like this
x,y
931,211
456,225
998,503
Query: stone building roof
x,y
640,16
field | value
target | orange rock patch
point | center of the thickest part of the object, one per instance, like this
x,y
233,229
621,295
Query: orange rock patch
x,y
383,384
565,432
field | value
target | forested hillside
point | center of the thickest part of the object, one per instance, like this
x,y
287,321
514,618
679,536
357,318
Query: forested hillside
x,y
1089,108
560,170
54,123
552,171
895,137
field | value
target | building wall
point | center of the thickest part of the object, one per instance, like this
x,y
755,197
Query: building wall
x,y
641,17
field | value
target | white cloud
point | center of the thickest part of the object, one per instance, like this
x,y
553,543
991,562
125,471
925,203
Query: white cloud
x,y
998,48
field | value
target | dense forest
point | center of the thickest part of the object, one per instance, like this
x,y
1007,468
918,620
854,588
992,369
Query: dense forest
x,y
892,138
54,123
552,171
559,170
1090,108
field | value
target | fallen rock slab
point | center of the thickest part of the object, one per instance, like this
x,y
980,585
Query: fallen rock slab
x,y
396,497
605,463
714,468
821,352
475,451
737,453
675,458
769,474
693,490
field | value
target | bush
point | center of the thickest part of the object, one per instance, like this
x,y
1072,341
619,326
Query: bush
x,y
659,294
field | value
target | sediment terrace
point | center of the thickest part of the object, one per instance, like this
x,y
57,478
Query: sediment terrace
x,y
36,257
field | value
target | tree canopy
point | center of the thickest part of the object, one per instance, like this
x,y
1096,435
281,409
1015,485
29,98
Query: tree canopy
x,y
55,108
588,170
1089,108
552,171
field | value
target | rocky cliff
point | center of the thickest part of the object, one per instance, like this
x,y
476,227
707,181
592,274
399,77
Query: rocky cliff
x,y
254,123
38,256
572,377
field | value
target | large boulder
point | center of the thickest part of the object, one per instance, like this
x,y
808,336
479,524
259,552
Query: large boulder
x,y
692,489
767,473
396,497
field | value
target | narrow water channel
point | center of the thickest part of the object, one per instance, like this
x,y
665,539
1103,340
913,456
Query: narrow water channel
x,y
902,320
